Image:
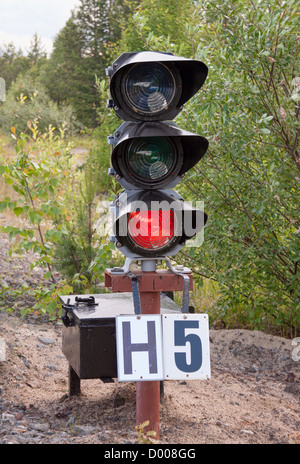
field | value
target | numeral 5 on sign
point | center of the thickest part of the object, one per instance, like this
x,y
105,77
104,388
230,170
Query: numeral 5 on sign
x,y
186,346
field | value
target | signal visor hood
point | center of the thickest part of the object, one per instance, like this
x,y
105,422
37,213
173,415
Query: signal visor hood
x,y
188,77
189,148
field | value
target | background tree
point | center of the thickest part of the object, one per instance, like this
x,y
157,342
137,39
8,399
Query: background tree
x,y
62,74
12,63
37,50
81,52
158,25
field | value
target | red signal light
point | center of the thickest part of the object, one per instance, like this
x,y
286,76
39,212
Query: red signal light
x,y
151,229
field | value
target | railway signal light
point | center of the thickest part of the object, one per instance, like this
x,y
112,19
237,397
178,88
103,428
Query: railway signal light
x,y
150,154
154,155
152,86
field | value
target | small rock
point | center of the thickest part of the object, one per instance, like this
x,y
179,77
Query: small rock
x,y
118,401
249,432
84,429
19,416
6,417
51,367
43,427
46,341
252,370
19,429
26,363
293,388
33,384
290,377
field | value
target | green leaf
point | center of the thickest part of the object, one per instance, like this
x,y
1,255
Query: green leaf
x,y
18,210
3,205
264,130
48,275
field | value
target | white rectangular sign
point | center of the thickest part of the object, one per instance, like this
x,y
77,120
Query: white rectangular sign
x,y
139,347
186,346
155,347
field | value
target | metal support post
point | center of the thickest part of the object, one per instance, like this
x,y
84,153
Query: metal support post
x,y
148,392
146,285
74,382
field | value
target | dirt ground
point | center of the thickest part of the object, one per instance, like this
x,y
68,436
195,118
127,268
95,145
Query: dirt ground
x,y
252,396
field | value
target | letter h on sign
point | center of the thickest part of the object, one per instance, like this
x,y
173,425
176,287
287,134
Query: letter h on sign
x,y
139,348
130,347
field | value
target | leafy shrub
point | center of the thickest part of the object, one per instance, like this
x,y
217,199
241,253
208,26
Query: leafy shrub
x,y
27,100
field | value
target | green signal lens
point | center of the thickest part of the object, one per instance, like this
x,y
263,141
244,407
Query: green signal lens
x,y
151,158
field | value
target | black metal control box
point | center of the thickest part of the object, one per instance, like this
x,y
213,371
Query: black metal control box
x,y
89,333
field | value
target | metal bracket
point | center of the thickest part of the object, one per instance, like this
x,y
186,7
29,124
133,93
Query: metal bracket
x,y
89,301
183,272
68,322
179,270
68,308
135,292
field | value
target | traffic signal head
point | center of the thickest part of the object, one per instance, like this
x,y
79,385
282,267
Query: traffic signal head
x,y
155,154
153,86
151,154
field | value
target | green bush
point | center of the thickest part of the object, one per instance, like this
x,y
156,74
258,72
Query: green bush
x,y
27,100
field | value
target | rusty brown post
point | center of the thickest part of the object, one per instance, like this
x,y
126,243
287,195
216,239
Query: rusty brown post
x,y
151,283
148,392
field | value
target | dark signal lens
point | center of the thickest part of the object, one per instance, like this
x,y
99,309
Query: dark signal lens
x,y
151,229
151,158
149,87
